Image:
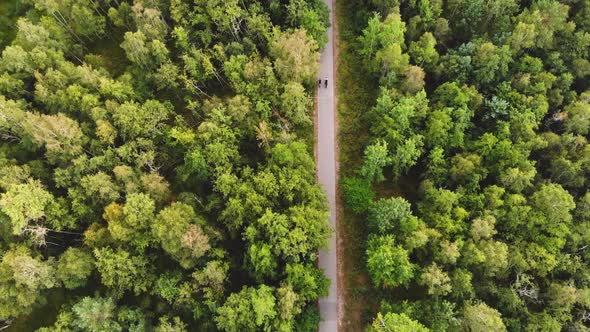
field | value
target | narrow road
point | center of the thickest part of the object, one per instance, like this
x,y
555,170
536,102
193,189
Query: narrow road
x,y
326,168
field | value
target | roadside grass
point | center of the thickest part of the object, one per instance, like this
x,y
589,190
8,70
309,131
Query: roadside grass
x,y
356,94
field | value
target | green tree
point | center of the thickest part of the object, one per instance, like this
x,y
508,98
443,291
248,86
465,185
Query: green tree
x,y
62,324
483,228
171,325
308,281
496,257
376,157
150,21
131,222
180,232
99,188
406,155
309,320
296,56
370,38
438,128
396,322
96,314
391,59
22,279
462,284
80,17
288,306
261,261
436,280
291,236
423,51
491,63
523,36
464,168
388,264
448,252
166,76
211,280
561,297
439,208
134,120
252,309
547,17
480,317
136,48
553,202
543,321
30,36
578,118
74,267
296,104
60,135
121,271
25,204
392,216
517,179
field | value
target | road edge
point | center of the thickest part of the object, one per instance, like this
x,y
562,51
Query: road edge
x,y
338,210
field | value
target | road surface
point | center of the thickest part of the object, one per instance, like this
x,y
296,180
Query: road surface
x,y
326,168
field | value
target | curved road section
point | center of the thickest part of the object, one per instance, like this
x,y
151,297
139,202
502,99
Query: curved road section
x,y
326,168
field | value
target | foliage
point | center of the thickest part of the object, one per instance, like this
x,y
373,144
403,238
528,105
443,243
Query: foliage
x,y
357,193
477,152
479,317
399,322
25,204
23,279
249,310
95,314
74,267
178,228
388,264
152,155
121,271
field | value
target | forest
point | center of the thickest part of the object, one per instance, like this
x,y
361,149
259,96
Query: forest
x,y
157,169
472,184
156,165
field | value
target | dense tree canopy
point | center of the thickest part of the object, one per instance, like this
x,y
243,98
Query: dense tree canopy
x,y
154,171
480,125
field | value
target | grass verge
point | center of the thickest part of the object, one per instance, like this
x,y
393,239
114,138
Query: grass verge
x,y
356,94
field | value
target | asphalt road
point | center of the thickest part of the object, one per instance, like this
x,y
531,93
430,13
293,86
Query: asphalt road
x,y
326,168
